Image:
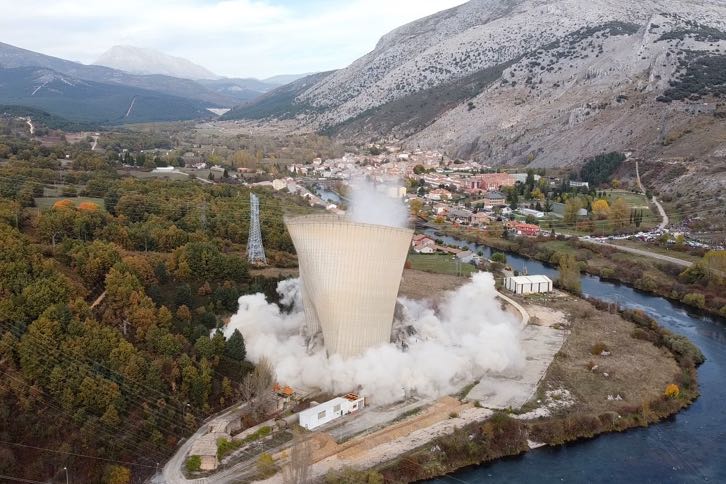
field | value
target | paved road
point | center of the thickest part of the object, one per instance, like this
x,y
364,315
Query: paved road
x,y
665,258
172,472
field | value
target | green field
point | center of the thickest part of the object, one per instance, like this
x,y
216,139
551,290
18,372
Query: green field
x,y
44,203
635,200
440,264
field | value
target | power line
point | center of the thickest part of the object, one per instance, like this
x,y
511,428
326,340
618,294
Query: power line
x,y
125,445
75,454
18,479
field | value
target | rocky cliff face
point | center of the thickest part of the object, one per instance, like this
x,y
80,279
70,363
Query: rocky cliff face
x,y
540,82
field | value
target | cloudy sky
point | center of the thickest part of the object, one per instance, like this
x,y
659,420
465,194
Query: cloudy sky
x,y
240,38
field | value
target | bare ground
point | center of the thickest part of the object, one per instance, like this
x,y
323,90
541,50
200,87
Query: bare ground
x,y
425,285
636,370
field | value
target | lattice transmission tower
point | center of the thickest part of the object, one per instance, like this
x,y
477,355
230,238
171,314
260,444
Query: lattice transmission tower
x,y
255,249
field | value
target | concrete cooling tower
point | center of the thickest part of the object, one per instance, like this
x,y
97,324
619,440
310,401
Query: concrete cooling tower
x,y
350,274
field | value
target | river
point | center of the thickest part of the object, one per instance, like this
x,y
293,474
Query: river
x,y
690,447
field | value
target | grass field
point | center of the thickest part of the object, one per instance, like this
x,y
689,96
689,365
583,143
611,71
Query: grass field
x,y
440,264
657,250
44,203
635,200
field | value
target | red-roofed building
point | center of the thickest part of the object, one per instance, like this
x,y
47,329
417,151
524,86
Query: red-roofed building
x,y
526,230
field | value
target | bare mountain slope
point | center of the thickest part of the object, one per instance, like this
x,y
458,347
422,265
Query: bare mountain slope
x,y
542,82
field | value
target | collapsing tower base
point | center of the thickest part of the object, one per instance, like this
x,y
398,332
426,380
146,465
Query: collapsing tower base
x,y
350,274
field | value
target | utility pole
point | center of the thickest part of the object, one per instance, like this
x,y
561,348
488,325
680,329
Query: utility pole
x,y
66,469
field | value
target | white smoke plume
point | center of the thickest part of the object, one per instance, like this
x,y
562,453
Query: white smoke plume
x,y
369,205
467,336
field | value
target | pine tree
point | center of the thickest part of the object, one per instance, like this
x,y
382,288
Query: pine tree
x,y
235,347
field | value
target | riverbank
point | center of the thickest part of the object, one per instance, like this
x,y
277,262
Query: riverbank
x,y
583,394
655,277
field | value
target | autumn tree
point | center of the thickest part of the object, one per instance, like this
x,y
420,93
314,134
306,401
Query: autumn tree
x,y
297,470
601,209
572,207
569,273
619,213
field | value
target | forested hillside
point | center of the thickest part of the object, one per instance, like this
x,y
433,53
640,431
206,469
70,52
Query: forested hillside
x,y
107,304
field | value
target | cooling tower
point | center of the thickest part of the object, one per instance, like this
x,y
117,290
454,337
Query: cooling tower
x,y
350,275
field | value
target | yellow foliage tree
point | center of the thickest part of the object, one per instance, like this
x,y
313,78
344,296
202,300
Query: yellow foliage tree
x,y
601,209
63,204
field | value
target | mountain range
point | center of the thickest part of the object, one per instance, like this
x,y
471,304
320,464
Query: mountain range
x,y
144,85
138,60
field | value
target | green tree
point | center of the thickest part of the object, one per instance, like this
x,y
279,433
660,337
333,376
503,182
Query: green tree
x,y
235,347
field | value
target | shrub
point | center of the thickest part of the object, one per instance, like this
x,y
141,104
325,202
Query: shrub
x,y
194,463
599,348
226,446
454,415
266,466
499,257
694,299
672,391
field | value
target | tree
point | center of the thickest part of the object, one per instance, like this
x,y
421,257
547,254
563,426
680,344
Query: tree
x,y
235,348
619,213
117,475
416,206
601,209
714,267
257,386
570,273
265,466
297,470
499,257
572,207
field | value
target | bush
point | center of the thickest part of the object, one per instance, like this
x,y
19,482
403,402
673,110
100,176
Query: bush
x,y
672,391
266,466
499,257
194,463
695,299
599,348
226,446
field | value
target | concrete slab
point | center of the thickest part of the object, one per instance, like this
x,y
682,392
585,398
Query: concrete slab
x,y
540,344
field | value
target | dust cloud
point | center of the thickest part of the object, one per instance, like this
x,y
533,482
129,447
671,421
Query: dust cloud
x,y
468,335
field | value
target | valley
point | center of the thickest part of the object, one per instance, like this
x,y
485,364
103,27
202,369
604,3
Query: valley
x,y
489,246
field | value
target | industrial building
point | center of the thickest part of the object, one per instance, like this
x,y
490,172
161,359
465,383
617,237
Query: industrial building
x,y
350,274
528,284
323,413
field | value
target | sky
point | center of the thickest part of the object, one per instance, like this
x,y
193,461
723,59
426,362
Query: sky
x,y
233,38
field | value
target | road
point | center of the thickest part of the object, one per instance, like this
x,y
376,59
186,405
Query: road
x,y
30,125
665,258
663,215
172,471
95,142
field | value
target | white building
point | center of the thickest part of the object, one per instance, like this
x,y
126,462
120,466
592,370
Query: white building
x,y
534,213
326,412
528,284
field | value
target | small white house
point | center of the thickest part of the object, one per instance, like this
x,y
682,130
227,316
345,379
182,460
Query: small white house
x,y
528,284
326,412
